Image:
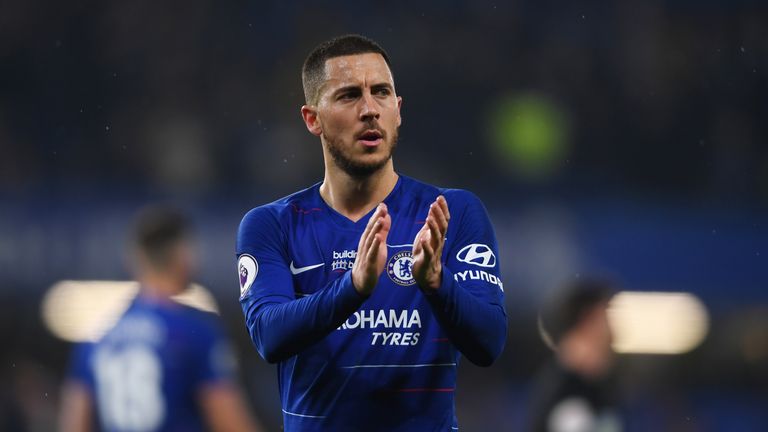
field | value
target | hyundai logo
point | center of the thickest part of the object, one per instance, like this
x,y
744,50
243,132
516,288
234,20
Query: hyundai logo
x,y
477,254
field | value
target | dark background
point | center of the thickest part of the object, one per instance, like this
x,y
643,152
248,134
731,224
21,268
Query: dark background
x,y
644,157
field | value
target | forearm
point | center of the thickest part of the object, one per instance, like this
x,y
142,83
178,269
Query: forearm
x,y
282,330
225,409
77,408
476,327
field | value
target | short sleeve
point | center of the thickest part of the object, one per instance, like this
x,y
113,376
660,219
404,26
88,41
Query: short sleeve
x,y
79,369
215,360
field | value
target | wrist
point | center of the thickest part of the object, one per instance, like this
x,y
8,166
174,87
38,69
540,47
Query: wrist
x,y
433,282
358,283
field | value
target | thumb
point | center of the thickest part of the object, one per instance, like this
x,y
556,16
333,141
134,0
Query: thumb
x,y
417,244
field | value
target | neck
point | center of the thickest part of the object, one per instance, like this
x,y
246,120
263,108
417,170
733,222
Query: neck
x,y
354,197
160,286
586,359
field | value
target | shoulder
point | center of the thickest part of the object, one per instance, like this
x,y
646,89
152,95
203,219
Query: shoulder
x,y
458,199
418,187
461,198
196,315
266,226
299,202
80,361
198,324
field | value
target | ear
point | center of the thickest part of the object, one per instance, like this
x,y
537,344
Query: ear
x,y
399,105
311,120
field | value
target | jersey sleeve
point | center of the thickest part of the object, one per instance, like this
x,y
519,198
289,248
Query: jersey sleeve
x,y
280,325
214,361
469,305
79,369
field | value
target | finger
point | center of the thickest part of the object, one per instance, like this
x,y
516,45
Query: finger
x,y
371,236
443,203
373,252
428,251
386,220
439,214
434,229
369,225
386,225
421,235
416,248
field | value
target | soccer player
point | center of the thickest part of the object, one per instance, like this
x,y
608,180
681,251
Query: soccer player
x,y
164,366
574,392
366,288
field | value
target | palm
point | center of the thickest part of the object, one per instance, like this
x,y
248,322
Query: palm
x,y
419,256
428,246
372,251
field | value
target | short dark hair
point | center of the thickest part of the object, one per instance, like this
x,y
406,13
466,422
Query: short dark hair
x,y
565,309
157,231
313,71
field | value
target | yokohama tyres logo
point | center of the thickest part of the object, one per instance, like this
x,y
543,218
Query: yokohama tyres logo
x,y
478,254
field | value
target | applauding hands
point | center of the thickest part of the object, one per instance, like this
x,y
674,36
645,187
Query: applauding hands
x,y
428,246
372,251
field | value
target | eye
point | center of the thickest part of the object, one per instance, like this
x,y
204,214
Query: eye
x,y
348,95
382,91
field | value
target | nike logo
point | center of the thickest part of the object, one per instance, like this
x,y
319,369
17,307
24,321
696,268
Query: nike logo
x,y
296,270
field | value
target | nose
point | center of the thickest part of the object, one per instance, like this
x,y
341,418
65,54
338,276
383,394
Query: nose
x,y
369,109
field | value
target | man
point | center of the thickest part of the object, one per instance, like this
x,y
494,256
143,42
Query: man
x,y
164,366
367,287
573,393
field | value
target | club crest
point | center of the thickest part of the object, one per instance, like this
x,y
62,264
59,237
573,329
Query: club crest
x,y
400,268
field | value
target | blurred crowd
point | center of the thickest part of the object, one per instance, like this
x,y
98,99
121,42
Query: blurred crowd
x,y
201,98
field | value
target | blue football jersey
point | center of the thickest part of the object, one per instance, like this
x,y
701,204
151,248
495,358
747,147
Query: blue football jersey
x,y
146,373
386,362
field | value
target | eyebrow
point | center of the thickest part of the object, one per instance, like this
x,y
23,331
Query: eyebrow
x,y
383,85
345,89
357,87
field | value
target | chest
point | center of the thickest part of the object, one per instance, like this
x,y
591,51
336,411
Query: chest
x,y
321,249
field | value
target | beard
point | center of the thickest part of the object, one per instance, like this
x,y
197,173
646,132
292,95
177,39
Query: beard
x,y
356,168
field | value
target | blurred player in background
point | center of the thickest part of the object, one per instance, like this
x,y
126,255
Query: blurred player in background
x,y
366,288
574,391
164,366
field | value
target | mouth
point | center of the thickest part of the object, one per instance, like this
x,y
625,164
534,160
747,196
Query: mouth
x,y
370,138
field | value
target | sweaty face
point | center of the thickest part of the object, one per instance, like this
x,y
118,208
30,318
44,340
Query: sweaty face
x,y
359,113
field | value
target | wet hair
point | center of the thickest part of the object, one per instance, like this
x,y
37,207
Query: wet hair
x,y
313,71
565,309
157,231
